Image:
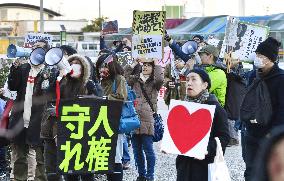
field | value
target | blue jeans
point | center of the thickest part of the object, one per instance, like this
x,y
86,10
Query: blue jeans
x,y
126,156
144,143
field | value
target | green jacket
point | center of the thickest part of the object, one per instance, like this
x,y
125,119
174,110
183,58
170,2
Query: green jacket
x,y
218,83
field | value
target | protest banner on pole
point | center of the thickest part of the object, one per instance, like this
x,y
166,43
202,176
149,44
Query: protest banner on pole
x,y
110,27
243,39
87,135
187,128
148,30
32,38
124,58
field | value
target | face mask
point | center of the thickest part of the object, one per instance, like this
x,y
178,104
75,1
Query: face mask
x,y
258,63
76,70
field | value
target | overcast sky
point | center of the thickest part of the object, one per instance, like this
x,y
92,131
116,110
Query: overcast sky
x,y
122,9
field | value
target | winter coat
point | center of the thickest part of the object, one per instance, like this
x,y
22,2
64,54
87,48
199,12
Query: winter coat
x,y
120,92
218,83
191,169
151,86
177,93
276,89
69,88
236,87
17,81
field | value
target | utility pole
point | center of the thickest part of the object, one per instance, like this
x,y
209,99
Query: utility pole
x,y
242,9
100,9
41,17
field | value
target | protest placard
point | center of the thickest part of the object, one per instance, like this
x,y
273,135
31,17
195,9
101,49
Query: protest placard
x,y
148,30
32,38
244,39
110,27
148,22
147,46
187,128
87,135
124,58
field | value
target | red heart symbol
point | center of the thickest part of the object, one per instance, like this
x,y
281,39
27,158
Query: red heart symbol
x,y
187,130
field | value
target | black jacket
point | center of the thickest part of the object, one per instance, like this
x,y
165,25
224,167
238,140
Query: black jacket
x,y
17,81
236,88
276,90
190,169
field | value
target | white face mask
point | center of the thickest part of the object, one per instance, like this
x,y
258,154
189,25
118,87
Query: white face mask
x,y
258,63
76,70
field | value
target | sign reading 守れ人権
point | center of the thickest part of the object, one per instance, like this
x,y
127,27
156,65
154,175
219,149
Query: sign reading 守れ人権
x,y
87,135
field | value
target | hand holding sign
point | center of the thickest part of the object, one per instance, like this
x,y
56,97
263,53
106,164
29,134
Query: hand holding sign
x,y
188,128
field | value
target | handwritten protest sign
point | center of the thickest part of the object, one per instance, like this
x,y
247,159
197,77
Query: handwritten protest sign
x,y
148,22
196,119
124,58
32,38
247,37
87,135
148,29
147,46
110,27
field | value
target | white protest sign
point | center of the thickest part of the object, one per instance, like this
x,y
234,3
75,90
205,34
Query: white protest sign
x,y
32,38
187,128
249,36
147,46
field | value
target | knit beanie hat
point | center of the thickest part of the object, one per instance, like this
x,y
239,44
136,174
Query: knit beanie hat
x,y
204,76
269,48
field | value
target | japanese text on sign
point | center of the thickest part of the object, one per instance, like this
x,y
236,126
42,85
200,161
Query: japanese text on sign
x,y
147,22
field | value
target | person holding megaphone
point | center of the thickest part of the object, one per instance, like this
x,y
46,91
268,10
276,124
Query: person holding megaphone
x,y
26,114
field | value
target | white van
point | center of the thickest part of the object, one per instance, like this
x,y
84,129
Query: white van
x,y
90,49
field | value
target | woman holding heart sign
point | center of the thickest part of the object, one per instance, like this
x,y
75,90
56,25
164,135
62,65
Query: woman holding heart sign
x,y
193,169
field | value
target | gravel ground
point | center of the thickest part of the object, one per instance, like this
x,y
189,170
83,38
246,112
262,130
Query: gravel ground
x,y
165,166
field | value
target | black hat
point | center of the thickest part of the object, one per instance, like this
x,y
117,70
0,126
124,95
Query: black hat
x,y
204,76
201,38
269,48
68,49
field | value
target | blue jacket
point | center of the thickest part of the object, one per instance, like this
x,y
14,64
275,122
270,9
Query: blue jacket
x,y
177,49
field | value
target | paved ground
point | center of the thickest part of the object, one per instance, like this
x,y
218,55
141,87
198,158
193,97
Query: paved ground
x,y
165,166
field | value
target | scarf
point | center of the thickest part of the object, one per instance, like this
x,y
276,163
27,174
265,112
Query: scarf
x,y
29,93
143,77
201,98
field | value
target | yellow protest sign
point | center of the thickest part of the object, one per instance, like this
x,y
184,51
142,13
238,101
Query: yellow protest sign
x,y
148,22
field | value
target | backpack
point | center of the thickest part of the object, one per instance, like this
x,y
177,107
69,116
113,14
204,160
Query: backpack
x,y
129,119
257,105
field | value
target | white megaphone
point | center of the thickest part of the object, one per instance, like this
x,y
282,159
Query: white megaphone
x,y
14,51
37,56
189,47
54,56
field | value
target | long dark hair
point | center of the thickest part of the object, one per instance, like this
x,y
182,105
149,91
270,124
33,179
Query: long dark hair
x,y
113,66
